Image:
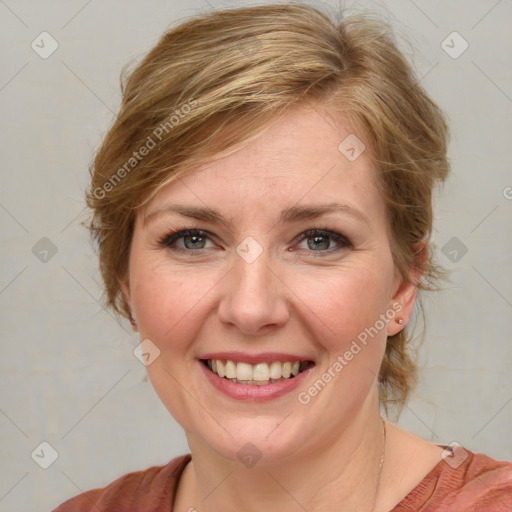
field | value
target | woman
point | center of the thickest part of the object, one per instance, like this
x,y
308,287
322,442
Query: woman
x,y
263,207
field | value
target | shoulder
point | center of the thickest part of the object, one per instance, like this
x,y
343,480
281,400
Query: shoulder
x,y
481,481
463,481
150,489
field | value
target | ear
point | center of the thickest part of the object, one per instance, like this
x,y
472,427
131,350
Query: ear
x,y
406,291
125,289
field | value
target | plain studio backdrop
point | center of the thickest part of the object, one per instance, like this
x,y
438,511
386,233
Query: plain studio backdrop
x,y
68,374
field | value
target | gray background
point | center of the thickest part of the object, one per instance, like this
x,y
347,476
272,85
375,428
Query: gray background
x,y
67,372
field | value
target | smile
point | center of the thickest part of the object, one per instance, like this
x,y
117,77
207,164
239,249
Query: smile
x,y
259,374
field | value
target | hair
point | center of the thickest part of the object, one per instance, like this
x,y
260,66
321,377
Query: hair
x,y
214,82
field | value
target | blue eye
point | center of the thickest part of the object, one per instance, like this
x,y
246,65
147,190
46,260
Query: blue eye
x,y
193,241
321,240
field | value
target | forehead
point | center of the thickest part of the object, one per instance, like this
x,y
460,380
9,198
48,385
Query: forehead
x,y
306,157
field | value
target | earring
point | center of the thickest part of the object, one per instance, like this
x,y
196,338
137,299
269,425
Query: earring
x,y
400,320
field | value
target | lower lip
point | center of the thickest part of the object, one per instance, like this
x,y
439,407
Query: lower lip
x,y
254,393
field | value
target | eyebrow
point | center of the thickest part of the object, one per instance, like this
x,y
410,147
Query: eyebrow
x,y
290,215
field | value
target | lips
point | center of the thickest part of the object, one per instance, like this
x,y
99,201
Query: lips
x,y
251,390
259,374
247,375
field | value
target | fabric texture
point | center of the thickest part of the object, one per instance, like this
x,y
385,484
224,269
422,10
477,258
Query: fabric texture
x,y
462,482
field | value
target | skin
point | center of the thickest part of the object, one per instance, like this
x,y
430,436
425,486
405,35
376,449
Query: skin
x,y
287,300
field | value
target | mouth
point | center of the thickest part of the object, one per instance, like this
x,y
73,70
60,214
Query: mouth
x,y
259,374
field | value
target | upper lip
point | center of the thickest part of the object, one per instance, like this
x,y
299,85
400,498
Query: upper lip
x,y
264,357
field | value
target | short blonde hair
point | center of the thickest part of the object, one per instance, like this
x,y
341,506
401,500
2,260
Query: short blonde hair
x,y
214,82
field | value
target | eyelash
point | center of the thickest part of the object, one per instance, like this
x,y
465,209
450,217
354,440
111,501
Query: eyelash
x,y
167,240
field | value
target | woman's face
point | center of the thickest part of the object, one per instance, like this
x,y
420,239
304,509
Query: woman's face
x,y
261,288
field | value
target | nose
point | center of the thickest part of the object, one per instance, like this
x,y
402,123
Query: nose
x,y
254,297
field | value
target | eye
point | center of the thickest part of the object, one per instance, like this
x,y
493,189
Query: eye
x,y
193,240
320,240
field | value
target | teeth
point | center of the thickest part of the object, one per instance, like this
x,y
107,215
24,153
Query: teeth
x,y
275,370
243,371
230,370
261,373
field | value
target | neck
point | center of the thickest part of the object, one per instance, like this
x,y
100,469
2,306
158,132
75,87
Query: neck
x,y
345,469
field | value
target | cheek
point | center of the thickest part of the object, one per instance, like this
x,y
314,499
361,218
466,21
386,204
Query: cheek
x,y
166,300
347,303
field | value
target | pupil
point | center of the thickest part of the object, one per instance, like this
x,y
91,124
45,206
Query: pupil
x,y
194,239
318,242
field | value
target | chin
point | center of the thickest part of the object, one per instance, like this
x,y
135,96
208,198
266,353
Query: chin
x,y
250,442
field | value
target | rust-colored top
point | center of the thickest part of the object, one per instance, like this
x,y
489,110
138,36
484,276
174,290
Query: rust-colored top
x,y
467,483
